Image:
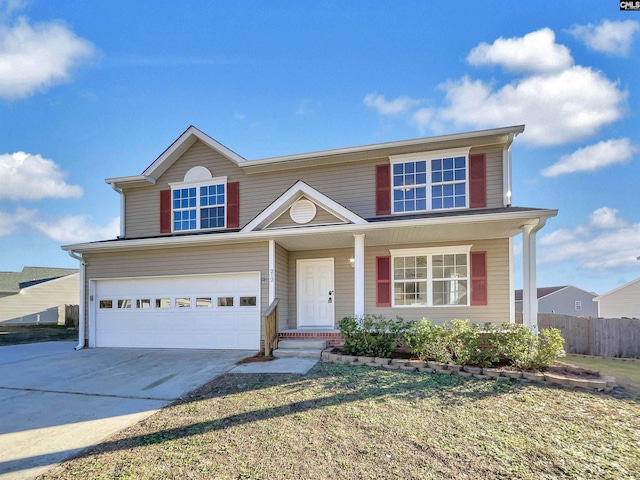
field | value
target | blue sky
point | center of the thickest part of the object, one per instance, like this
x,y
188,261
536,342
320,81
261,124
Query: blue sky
x,y
91,90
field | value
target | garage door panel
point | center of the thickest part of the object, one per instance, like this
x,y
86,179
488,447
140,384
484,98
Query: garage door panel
x,y
201,324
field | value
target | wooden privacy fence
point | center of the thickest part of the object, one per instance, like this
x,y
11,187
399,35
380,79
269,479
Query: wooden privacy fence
x,y
604,337
71,315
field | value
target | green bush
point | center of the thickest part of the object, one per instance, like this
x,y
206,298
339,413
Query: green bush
x,y
372,335
460,342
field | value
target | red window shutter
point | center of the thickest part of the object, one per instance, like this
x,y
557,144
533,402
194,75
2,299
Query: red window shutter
x,y
383,189
477,181
383,281
233,204
478,278
165,211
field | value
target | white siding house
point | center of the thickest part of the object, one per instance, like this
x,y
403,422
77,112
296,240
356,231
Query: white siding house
x,y
623,301
29,300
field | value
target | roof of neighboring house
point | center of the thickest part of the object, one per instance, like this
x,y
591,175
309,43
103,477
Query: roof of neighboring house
x,y
546,291
13,282
542,292
628,284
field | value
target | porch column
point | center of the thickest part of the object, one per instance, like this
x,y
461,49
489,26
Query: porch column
x,y
358,275
272,271
529,289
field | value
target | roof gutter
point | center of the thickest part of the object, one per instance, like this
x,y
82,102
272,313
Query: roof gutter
x,y
81,327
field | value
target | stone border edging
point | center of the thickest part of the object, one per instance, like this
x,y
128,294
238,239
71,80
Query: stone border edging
x,y
605,383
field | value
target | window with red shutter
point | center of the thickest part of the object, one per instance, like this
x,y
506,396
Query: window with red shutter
x,y
233,204
165,211
478,278
383,281
477,181
383,189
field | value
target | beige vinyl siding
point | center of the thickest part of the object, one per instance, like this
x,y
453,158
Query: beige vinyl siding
x,y
282,286
322,218
496,310
39,303
621,303
495,198
253,257
350,184
343,281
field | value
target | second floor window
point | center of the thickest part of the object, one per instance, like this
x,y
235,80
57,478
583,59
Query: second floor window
x,y
434,182
198,207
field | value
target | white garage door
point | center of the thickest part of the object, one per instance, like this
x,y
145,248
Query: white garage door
x,y
201,311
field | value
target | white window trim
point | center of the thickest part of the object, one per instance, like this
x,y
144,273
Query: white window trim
x,y
197,184
428,156
429,252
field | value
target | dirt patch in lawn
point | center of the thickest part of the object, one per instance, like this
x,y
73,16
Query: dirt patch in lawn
x,y
345,421
16,335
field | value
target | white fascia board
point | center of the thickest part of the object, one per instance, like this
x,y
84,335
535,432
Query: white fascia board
x,y
430,155
131,181
265,235
182,144
554,292
298,189
617,289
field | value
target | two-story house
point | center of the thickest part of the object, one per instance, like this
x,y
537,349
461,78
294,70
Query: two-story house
x,y
416,228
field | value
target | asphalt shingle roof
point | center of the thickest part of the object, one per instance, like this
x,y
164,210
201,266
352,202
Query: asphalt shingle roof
x,y
14,281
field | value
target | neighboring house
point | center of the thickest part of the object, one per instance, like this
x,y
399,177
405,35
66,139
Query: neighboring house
x,y
565,300
415,228
623,301
35,295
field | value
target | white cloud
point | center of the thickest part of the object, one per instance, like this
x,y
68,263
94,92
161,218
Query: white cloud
x,y
30,177
535,52
559,108
558,101
397,106
606,244
606,217
77,229
33,57
613,38
10,223
593,157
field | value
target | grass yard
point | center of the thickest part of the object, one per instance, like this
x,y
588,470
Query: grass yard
x,y
349,422
627,373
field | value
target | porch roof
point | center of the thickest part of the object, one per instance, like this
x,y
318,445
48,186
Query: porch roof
x,y
428,228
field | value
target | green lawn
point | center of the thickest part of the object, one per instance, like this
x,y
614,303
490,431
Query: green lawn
x,y
627,373
350,422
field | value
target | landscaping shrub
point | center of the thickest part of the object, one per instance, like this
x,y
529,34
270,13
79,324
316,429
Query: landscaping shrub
x,y
372,335
460,342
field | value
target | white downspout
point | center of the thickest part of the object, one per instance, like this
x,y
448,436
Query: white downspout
x,y
506,171
81,309
122,227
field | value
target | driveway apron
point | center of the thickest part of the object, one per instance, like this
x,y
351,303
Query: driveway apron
x,y
55,402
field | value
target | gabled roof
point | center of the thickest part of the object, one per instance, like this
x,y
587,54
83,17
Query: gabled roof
x,y
542,292
190,136
13,282
628,284
288,198
492,136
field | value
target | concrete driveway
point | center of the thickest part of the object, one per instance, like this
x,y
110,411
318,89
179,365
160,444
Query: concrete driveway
x,y
55,401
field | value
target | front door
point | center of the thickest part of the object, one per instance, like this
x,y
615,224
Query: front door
x,y
315,292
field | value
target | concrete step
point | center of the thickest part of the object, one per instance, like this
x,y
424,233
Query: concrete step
x,y
297,352
303,344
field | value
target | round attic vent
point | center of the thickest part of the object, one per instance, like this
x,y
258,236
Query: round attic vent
x,y
303,211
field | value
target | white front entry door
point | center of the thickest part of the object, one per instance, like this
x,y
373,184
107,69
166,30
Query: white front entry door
x,y
315,292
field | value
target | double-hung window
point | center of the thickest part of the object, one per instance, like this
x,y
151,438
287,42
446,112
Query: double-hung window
x,y
199,205
430,277
430,181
